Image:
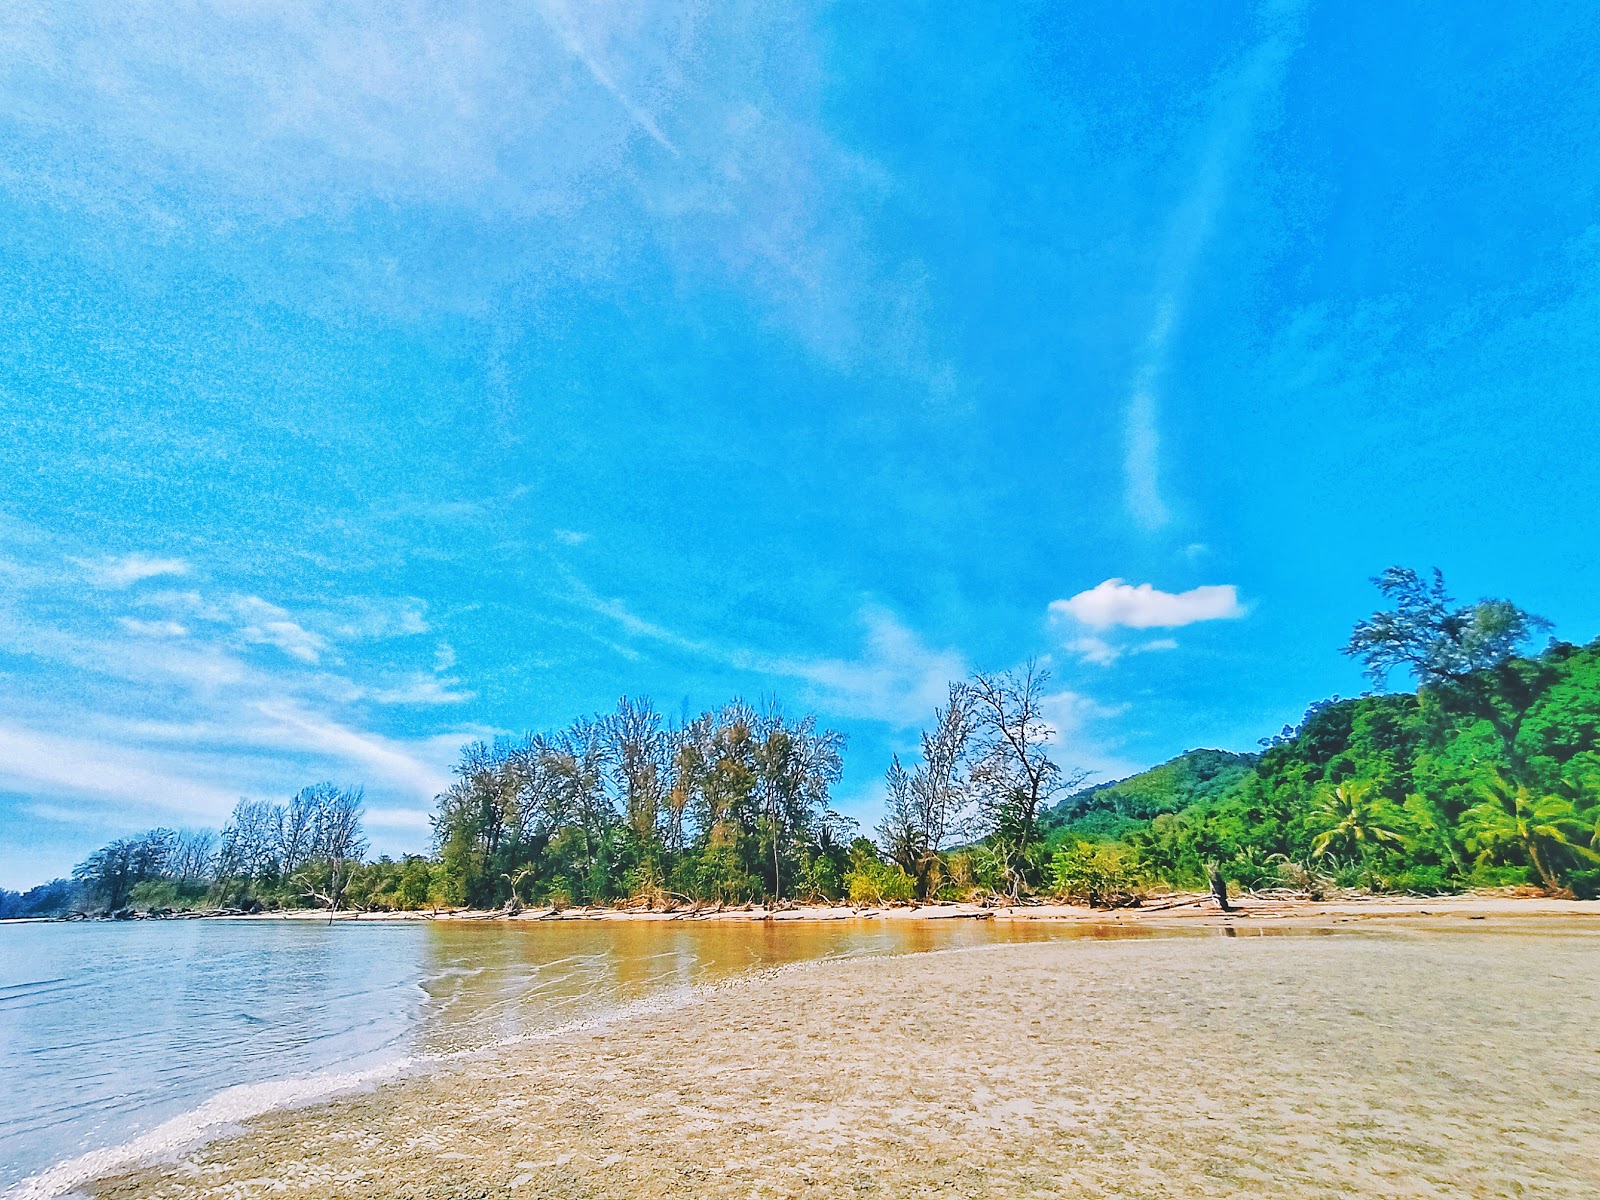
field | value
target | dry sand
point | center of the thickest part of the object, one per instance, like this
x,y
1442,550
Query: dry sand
x,y
1409,1058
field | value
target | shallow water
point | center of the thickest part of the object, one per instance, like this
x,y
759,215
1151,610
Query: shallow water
x,y
109,1029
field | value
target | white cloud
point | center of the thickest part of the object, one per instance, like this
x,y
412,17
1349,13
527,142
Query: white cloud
x,y
1092,648
267,624
1142,606
571,537
898,678
154,629
32,759
419,688
130,569
1237,97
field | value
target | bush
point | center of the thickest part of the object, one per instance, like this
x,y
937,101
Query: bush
x,y
877,883
1101,876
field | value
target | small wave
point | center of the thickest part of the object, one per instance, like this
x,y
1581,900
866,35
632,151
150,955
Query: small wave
x,y
217,1115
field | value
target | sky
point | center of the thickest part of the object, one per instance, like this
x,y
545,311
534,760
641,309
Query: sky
x,y
374,380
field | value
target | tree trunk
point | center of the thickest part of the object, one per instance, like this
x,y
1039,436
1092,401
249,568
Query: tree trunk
x,y
1551,883
1219,887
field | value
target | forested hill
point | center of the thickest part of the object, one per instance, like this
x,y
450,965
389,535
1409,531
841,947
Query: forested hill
x,y
1111,811
1493,779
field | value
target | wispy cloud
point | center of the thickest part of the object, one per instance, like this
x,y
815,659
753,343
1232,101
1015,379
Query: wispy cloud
x,y
897,677
169,705
34,760
130,569
1236,102
561,20
268,625
1092,648
510,125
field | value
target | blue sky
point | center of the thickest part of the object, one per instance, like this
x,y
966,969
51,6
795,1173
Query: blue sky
x,y
372,383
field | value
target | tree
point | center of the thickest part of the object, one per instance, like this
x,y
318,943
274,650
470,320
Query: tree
x,y
925,806
1013,771
109,875
640,748
1350,817
251,841
1468,655
796,764
1510,817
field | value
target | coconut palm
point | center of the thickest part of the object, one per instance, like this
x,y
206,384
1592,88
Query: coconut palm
x,y
1349,815
1512,817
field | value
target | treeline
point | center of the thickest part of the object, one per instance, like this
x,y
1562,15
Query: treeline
x,y
733,805
1488,774
305,853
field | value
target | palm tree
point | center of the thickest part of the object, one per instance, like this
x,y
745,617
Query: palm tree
x,y
1349,815
1511,816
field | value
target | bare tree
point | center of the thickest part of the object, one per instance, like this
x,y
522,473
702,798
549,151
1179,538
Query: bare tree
x,y
193,856
297,828
928,805
250,841
1013,772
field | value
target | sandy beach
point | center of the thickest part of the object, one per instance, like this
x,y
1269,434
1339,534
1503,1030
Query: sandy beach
x,y
1409,1057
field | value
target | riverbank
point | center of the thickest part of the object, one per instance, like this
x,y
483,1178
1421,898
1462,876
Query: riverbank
x,y
1409,1059
1187,908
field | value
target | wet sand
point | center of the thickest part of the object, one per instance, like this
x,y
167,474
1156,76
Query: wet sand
x,y
1411,1058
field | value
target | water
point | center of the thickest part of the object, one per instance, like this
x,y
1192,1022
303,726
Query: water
x,y
108,1030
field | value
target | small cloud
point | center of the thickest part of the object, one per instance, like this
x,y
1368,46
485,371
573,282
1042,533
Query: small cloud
x,y
421,689
377,618
444,656
154,629
1195,551
130,569
571,537
1116,603
397,818
267,624
1097,650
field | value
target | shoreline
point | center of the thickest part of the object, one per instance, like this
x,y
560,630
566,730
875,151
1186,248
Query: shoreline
x,y
1196,908
1066,1066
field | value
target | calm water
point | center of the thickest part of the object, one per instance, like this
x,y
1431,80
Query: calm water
x,y
109,1030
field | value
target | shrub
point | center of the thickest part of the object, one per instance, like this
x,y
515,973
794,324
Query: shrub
x,y
1101,876
880,884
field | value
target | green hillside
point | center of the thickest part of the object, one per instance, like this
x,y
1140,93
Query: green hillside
x,y
1489,779
1113,811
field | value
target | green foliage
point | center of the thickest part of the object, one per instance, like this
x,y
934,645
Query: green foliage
x,y
871,880
1130,803
1101,876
